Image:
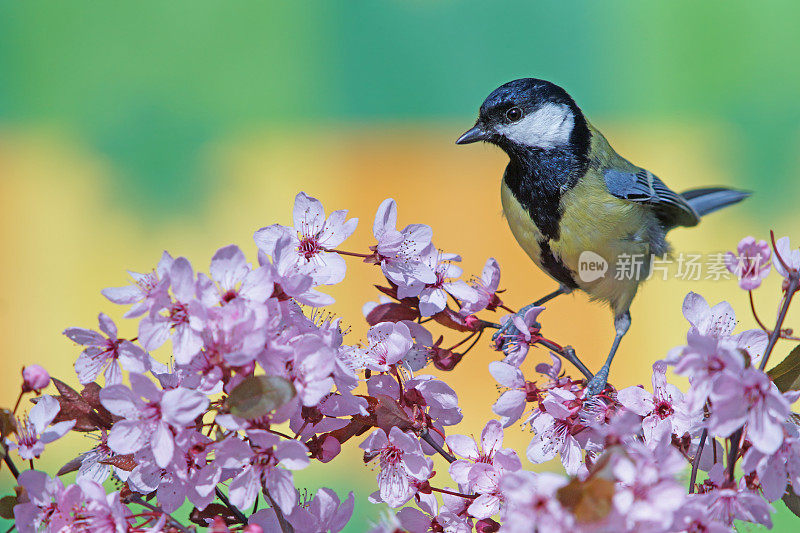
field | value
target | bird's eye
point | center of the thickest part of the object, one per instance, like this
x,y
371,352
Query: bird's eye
x,y
514,114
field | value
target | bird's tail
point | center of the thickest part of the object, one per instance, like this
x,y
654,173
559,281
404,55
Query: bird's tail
x,y
710,199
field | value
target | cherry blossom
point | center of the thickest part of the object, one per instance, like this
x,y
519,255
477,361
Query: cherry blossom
x,y
750,263
553,428
401,461
433,297
531,503
146,291
515,345
107,352
388,342
751,397
490,452
776,470
35,430
311,239
485,290
257,462
788,256
156,328
149,414
399,252
665,406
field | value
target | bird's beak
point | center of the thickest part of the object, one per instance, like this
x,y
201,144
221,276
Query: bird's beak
x,y
477,133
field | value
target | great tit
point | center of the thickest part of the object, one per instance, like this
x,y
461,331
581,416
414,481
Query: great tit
x,y
569,198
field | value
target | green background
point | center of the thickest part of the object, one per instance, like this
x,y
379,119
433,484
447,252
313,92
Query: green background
x,y
145,87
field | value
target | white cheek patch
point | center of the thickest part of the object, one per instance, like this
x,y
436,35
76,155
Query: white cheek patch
x,y
548,127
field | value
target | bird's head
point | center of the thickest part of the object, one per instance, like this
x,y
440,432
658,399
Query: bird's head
x,y
529,114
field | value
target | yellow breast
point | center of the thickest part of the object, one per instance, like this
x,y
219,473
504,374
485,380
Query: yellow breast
x,y
592,220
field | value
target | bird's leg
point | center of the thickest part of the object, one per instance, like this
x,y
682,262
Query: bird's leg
x,y
508,329
621,324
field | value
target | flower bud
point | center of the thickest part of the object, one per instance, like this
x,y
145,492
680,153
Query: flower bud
x,y
34,378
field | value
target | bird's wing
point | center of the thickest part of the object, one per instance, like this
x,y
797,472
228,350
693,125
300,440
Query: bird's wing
x,y
645,187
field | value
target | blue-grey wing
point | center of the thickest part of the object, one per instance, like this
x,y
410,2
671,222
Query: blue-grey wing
x,y
645,187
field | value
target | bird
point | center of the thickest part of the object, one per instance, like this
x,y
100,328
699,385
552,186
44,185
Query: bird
x,y
576,206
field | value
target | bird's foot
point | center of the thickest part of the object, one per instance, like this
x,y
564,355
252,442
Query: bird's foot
x,y
597,383
508,331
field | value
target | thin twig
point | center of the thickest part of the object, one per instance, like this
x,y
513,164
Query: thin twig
x,y
156,509
424,435
794,279
696,461
473,343
232,508
451,493
9,463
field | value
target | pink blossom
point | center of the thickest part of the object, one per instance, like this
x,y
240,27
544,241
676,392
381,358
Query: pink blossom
x,y
309,365
401,462
553,430
156,328
34,378
292,279
257,462
323,512
388,343
647,492
750,263
665,406
789,255
423,394
704,359
484,479
719,322
532,505
430,518
35,430
400,252
485,290
725,502
189,474
750,397
693,518
776,470
311,239
146,291
516,341
107,352
149,415
433,297
46,505
236,279
511,403
490,452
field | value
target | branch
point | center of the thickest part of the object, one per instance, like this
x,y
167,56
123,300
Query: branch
x,y
424,435
232,508
794,280
155,509
696,461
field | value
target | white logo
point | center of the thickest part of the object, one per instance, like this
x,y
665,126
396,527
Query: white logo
x,y
591,266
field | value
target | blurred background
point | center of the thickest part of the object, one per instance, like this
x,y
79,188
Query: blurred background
x,y
127,129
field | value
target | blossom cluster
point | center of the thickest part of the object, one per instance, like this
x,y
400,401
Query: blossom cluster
x,y
238,377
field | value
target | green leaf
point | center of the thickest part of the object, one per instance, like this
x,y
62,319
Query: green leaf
x,y
258,395
792,500
7,504
786,375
